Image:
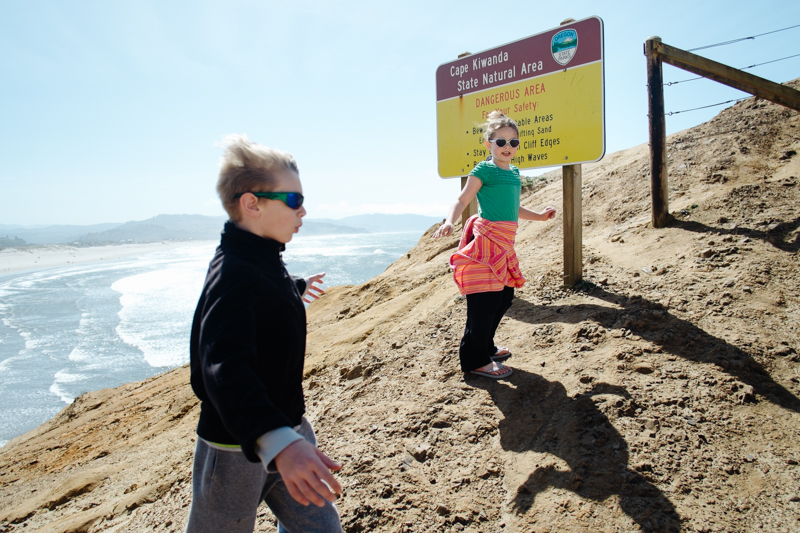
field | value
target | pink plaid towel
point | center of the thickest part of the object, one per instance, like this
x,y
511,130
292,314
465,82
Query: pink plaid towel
x,y
488,262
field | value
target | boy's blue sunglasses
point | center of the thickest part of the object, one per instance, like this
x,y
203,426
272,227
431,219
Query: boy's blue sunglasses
x,y
291,199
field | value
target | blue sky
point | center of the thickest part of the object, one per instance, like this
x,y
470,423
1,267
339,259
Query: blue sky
x,y
110,110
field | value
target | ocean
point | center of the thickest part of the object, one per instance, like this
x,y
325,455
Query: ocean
x,y
78,328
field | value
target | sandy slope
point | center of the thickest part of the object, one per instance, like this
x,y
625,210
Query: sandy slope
x,y
661,395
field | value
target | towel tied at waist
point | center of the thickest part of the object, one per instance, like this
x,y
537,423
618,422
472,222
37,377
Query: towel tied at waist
x,y
486,260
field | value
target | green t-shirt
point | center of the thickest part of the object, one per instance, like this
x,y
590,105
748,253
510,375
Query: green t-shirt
x,y
498,197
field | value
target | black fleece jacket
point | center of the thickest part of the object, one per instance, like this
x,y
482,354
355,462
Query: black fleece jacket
x,y
248,343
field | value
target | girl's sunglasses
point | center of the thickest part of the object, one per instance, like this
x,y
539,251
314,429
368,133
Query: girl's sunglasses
x,y
291,199
502,142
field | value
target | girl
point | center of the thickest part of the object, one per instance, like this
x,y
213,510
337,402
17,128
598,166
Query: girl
x,y
485,267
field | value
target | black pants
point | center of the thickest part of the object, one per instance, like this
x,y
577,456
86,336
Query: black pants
x,y
484,311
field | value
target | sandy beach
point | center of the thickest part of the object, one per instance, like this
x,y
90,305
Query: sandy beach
x,y
55,255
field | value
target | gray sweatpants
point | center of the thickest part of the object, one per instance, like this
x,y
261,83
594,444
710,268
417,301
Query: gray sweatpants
x,y
227,490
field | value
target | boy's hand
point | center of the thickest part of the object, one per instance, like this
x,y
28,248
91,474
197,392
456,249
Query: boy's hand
x,y
443,231
306,472
314,289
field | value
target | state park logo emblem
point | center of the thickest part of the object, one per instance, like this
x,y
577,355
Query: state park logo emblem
x,y
564,45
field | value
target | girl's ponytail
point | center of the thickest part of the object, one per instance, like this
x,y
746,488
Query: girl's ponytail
x,y
495,121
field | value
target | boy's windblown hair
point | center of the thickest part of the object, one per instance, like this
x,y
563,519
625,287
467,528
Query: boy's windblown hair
x,y
495,121
249,167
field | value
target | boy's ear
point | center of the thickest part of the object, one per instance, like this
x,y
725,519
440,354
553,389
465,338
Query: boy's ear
x,y
248,206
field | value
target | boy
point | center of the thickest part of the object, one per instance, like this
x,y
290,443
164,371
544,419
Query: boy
x,y
247,353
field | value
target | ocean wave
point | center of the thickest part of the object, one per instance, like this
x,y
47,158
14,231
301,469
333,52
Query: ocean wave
x,y
78,355
353,251
157,310
5,364
64,377
85,321
325,251
31,342
5,292
56,389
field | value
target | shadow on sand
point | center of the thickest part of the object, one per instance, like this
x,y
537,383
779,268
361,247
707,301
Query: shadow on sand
x,y
775,236
541,417
673,335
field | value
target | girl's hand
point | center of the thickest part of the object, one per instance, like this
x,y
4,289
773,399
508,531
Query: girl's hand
x,y
443,231
549,212
314,290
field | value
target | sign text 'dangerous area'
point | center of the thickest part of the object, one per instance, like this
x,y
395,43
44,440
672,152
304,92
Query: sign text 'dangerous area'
x,y
550,83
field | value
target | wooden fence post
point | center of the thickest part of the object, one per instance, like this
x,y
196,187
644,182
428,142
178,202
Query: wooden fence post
x,y
659,182
573,224
658,53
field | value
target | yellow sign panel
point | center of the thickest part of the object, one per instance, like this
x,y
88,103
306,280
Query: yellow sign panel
x,y
551,84
560,118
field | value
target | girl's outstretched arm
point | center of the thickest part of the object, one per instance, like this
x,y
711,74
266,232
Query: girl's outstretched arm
x,y
467,194
548,213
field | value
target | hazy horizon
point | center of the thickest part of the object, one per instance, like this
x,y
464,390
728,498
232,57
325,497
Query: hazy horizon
x,y
307,218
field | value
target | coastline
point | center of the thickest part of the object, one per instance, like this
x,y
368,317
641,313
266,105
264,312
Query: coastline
x,y
158,261
40,257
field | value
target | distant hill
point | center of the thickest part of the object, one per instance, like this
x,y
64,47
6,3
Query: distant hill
x,y
378,222
60,234
196,227
158,228
6,242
